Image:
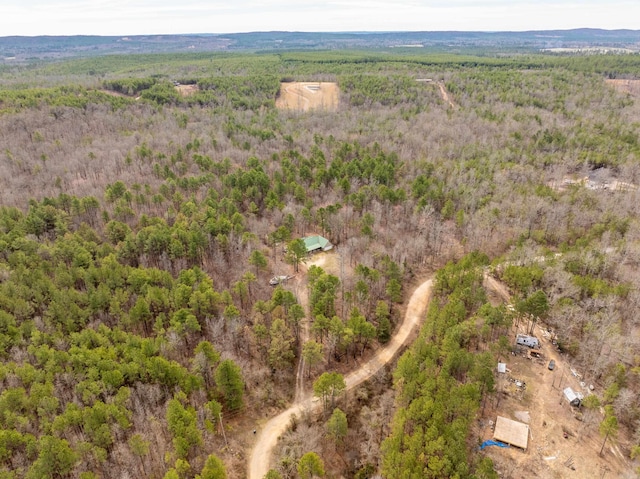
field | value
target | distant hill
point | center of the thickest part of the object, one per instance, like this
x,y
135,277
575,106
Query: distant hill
x,y
22,49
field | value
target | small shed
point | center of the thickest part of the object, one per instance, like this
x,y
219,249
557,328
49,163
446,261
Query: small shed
x,y
511,432
573,398
317,243
502,367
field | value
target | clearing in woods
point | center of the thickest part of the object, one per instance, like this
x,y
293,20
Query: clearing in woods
x,y
307,96
632,87
186,90
540,403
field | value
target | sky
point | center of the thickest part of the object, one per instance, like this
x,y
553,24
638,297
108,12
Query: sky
x,y
147,17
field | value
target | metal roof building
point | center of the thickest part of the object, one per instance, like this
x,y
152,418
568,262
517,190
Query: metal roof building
x,y
317,243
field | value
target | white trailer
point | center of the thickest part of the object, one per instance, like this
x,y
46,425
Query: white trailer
x,y
529,341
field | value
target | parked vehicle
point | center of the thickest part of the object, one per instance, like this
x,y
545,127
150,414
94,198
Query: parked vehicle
x,y
552,365
276,280
530,341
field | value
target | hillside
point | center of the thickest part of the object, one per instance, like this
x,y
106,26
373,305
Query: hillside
x,y
139,229
21,49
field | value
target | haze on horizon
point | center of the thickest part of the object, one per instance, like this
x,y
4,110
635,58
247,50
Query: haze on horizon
x,y
148,17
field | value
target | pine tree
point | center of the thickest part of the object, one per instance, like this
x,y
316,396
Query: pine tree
x,y
213,469
310,465
337,426
229,381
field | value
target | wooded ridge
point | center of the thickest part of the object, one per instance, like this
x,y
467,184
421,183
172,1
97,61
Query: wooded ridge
x,y
17,48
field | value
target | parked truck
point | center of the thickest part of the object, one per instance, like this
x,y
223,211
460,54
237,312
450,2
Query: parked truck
x,y
529,341
276,280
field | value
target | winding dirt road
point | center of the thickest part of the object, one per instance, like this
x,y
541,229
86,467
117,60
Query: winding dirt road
x,y
260,457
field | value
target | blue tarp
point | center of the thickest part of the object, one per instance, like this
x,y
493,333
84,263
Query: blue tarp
x,y
491,442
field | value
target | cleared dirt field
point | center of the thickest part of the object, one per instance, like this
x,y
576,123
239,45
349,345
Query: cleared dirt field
x,y
632,87
308,96
550,454
186,90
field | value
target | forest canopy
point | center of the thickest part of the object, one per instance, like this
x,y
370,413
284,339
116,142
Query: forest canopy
x,y
139,228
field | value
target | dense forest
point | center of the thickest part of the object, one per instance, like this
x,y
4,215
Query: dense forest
x,y
139,228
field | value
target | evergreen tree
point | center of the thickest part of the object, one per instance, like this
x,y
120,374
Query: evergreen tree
x,y
213,469
608,426
281,353
310,465
296,253
230,384
257,259
312,354
55,459
182,423
337,426
328,386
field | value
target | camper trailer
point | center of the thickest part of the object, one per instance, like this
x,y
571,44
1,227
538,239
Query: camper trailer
x,y
529,341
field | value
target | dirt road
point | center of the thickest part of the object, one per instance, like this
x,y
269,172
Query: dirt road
x,y
445,95
500,289
303,300
260,457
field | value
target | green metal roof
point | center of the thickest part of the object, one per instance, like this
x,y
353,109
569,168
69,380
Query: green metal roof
x,y
315,242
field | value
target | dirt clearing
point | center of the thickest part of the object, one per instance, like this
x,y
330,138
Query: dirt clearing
x,y
186,90
308,96
328,261
564,441
632,87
